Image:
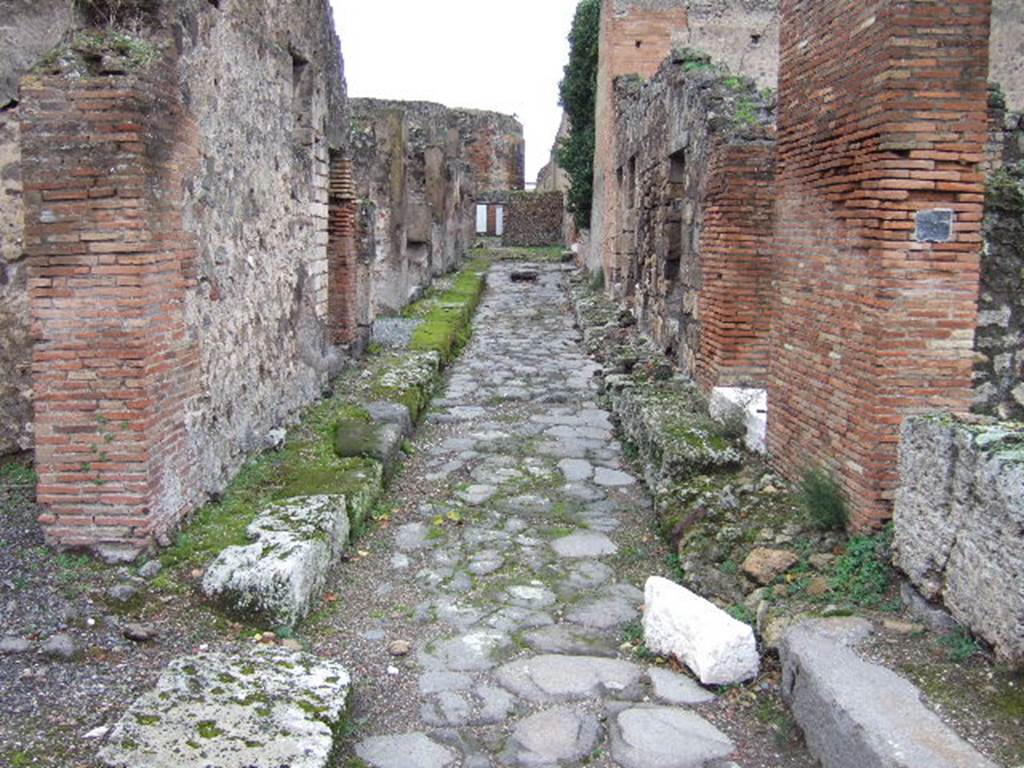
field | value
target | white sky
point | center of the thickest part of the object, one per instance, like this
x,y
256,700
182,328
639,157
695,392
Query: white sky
x,y
503,56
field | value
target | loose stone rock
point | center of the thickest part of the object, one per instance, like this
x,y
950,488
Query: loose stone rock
x,y
400,648
717,647
764,565
11,646
59,647
140,633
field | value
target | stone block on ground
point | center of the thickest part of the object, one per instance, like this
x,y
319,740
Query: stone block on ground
x,y
856,714
277,578
553,737
719,649
265,707
354,438
957,521
764,565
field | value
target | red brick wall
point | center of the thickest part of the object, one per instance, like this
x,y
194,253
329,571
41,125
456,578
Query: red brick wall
x,y
882,113
343,289
109,268
735,255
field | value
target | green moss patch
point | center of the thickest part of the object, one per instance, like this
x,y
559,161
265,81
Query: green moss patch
x,y
445,328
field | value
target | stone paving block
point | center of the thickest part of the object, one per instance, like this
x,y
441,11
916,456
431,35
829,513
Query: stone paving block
x,y
260,709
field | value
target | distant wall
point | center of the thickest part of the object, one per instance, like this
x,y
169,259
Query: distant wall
x,y
1007,50
636,36
419,168
534,219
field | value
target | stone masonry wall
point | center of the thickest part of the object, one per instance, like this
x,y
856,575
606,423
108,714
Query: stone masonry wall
x,y
27,31
999,342
257,205
418,168
958,524
693,198
225,323
1007,50
534,219
875,298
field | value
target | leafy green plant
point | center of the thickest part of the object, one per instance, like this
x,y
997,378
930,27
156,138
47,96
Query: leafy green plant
x,y
578,92
823,499
863,575
960,646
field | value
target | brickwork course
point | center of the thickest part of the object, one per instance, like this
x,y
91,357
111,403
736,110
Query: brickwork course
x,y
871,322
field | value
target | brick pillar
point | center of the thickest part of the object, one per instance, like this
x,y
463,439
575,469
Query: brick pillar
x,y
109,267
735,257
882,120
342,269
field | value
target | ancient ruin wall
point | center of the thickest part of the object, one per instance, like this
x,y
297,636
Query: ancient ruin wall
x,y
213,249
875,293
742,34
265,83
636,36
418,168
693,198
534,219
999,342
27,31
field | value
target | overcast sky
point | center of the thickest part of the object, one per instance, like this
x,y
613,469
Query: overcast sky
x,y
504,56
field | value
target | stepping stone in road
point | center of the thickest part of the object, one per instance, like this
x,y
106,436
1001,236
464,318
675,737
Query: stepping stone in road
x,y
260,708
553,737
405,750
557,678
576,470
666,737
572,640
584,544
613,478
673,688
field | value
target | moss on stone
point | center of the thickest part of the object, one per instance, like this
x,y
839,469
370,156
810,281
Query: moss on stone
x,y
445,328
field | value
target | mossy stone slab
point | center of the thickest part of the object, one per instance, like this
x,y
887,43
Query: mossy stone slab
x,y
264,707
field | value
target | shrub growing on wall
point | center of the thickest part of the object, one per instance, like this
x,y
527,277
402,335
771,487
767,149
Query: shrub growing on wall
x,y
578,96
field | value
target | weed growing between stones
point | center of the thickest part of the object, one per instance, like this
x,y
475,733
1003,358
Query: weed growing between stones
x,y
960,646
863,576
823,499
